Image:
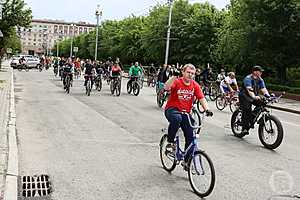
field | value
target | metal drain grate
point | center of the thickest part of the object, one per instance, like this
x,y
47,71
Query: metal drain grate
x,y
35,186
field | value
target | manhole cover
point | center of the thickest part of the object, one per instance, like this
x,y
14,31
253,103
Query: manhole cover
x,y
33,187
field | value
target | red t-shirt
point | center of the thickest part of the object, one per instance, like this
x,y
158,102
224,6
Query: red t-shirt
x,y
182,96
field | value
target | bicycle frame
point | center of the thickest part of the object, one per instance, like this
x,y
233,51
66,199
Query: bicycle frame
x,y
180,154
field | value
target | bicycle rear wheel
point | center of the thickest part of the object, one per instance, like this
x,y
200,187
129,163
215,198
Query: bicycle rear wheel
x,y
220,102
213,92
197,118
167,158
201,174
234,104
160,99
199,107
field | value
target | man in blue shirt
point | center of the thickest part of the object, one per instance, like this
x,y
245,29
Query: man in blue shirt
x,y
249,95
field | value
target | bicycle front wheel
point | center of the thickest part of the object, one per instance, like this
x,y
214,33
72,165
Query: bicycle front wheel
x,y
68,84
167,158
112,87
136,89
88,88
118,88
201,174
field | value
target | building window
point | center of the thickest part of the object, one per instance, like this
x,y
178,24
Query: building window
x,y
55,28
34,44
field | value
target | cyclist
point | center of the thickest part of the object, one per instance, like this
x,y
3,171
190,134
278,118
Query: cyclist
x,y
227,84
98,67
134,71
68,69
198,76
22,61
221,76
249,95
183,91
77,65
115,72
61,64
55,66
89,70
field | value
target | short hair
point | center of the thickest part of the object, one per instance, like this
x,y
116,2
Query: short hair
x,y
191,66
231,74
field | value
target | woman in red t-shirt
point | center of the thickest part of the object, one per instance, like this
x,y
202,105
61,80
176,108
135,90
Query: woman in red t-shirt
x,y
183,92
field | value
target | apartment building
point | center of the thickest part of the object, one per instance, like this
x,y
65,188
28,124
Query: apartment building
x,y
42,35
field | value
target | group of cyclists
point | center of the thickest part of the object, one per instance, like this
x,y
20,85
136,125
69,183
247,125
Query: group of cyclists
x,y
183,82
167,77
108,70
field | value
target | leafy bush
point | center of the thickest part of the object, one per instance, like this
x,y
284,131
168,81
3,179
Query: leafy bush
x,y
294,90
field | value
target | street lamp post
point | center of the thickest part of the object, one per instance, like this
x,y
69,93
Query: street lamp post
x,y
1,37
98,13
169,31
71,50
57,44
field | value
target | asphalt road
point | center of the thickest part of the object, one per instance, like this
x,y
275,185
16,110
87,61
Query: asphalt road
x,y
106,147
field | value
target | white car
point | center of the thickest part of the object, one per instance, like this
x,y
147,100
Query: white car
x,y
31,61
14,61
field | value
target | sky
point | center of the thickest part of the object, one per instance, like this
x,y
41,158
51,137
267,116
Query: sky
x,y
84,10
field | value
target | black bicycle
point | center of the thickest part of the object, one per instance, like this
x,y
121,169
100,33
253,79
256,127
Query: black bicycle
x,y
98,82
115,86
212,90
67,82
88,87
133,85
23,67
270,129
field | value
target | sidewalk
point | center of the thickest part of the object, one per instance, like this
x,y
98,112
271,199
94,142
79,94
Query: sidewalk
x,y
5,76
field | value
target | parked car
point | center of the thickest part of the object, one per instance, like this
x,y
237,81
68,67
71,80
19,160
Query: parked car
x,y
31,61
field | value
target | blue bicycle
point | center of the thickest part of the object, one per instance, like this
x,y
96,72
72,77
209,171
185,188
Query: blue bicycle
x,y
200,168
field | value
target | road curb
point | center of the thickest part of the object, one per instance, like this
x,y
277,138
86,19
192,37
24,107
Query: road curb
x,y
285,109
11,189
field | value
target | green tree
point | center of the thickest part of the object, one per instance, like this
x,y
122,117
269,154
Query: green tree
x,y
264,32
14,13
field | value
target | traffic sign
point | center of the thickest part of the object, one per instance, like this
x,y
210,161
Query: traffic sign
x,y
75,49
8,50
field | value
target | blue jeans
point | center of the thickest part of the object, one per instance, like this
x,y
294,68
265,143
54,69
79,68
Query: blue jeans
x,y
177,120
